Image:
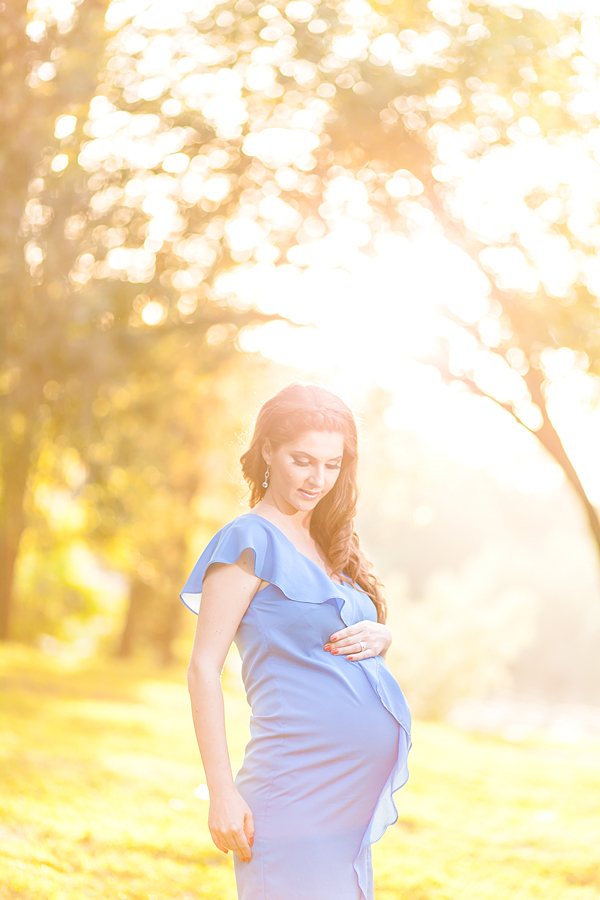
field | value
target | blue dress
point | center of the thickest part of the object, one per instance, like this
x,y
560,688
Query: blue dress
x,y
329,737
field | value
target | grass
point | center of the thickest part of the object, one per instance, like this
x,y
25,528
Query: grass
x,y
99,765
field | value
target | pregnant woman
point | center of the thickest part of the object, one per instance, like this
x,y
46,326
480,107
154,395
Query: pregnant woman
x,y
329,725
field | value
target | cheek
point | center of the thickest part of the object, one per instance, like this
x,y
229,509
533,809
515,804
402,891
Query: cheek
x,y
331,479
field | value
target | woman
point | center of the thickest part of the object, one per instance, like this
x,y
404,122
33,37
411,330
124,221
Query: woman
x,y
329,724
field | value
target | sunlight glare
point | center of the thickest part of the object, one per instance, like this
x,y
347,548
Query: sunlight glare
x,y
154,313
277,147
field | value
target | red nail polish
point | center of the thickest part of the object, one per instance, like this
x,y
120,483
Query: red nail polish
x,y
335,651
327,647
334,639
350,657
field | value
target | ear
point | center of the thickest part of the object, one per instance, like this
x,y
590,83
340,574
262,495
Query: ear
x,y
266,451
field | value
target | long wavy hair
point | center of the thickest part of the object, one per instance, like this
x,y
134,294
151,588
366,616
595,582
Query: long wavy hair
x,y
309,407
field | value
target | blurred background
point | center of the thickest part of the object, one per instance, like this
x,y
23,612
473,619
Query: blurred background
x,y
203,201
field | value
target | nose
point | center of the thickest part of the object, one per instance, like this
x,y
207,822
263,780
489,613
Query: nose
x,y
317,477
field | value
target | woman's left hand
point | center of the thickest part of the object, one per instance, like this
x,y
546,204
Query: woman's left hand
x,y
375,637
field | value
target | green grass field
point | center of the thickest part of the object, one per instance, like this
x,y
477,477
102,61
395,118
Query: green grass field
x,y
99,767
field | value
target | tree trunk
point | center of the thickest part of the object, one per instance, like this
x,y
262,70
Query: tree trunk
x,y
16,466
550,440
171,625
547,435
139,594
8,557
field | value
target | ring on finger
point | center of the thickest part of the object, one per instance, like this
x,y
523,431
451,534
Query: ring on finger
x,y
363,646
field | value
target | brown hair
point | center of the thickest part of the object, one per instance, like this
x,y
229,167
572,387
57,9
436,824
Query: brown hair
x,y
308,407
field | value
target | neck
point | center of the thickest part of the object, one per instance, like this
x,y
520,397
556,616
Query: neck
x,y
298,519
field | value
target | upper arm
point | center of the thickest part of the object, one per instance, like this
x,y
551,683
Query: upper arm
x,y
227,590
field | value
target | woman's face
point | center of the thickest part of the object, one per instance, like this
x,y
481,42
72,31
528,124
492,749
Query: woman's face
x,y
304,469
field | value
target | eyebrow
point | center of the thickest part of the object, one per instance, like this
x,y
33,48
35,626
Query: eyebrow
x,y
315,458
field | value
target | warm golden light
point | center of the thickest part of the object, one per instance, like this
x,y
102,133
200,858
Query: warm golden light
x,y
153,313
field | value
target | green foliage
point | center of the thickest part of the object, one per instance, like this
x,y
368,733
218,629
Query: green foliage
x,y
139,180
100,768
84,368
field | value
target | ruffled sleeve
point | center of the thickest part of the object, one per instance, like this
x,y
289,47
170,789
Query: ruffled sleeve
x,y
226,547
276,560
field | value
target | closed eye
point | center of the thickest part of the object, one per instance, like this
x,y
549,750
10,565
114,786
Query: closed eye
x,y
303,464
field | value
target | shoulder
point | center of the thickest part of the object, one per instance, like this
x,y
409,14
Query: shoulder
x,y
248,539
246,532
233,573
247,528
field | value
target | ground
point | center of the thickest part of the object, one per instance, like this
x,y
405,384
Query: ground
x,y
99,798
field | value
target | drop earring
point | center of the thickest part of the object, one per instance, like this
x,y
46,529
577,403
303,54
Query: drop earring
x,y
265,483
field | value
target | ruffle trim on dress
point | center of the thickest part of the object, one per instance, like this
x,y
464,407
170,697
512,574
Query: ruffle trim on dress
x,y
276,560
385,812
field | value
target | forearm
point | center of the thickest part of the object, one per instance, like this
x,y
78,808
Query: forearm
x,y
208,713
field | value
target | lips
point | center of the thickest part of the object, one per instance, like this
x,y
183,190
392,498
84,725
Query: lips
x,y
310,495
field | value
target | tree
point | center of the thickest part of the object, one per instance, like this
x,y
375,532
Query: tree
x,y
388,104
431,127
222,138
32,304
158,468
72,331
410,98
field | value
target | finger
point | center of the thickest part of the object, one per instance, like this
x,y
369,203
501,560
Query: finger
x,y
218,843
345,633
364,654
244,854
232,840
249,828
362,651
349,640
353,647
242,847
236,840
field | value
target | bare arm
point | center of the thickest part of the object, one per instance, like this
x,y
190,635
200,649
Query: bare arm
x,y
226,594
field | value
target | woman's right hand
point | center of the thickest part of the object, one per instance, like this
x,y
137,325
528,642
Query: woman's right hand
x,y
231,823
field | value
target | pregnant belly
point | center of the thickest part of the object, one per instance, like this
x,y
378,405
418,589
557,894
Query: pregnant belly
x,y
325,753
346,716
